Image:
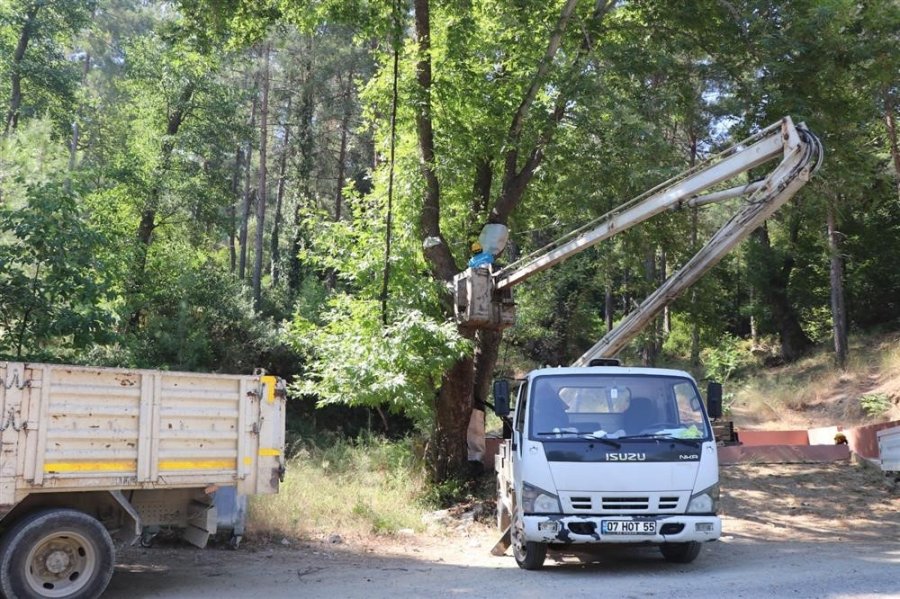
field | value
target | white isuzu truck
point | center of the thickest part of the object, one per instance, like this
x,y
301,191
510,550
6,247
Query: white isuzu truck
x,y
607,454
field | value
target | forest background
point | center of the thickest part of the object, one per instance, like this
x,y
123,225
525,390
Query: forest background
x,y
219,185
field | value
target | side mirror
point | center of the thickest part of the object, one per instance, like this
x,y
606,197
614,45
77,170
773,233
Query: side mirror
x,y
714,399
501,398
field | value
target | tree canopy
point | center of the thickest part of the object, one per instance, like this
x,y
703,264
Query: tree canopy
x,y
226,184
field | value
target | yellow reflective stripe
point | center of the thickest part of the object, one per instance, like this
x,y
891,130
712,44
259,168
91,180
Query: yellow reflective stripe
x,y
108,466
269,451
248,461
129,466
270,382
226,464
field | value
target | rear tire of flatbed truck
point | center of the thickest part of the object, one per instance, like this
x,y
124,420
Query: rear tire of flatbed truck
x,y
680,553
59,553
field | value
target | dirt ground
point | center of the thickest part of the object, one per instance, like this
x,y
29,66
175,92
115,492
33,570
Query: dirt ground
x,y
813,502
799,530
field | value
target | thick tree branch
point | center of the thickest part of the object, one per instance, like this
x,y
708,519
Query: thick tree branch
x,y
435,247
518,121
15,72
515,179
484,178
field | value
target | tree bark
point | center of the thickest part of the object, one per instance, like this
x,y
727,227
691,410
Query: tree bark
x,y
437,252
695,227
248,195
305,148
774,292
279,200
453,408
232,209
262,197
15,71
650,348
838,310
891,124
608,313
342,153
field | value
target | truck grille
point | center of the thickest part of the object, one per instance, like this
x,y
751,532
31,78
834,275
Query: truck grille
x,y
604,503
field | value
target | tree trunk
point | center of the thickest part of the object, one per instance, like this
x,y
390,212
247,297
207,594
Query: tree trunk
x,y
262,197
15,70
342,154
454,401
279,200
650,348
305,148
695,226
232,210
774,292
487,350
608,313
447,450
248,195
667,313
891,123
838,310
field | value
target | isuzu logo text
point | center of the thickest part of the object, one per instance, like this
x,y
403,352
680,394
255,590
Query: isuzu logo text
x,y
626,457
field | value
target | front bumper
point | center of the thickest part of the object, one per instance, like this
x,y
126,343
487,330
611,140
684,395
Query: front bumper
x,y
586,529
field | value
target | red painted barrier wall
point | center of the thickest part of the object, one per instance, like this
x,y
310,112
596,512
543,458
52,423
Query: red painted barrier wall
x,y
754,438
782,454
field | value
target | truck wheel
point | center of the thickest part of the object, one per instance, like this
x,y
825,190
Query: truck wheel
x,y
529,555
680,553
59,553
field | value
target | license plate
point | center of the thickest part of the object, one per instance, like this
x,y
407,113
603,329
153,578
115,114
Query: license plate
x,y
628,527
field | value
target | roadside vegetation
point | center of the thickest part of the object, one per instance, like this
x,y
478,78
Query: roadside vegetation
x,y
350,488
340,489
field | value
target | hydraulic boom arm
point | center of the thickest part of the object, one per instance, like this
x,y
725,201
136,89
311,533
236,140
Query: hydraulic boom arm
x,y
483,297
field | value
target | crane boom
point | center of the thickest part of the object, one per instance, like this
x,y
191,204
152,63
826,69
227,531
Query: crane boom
x,y
781,184
484,299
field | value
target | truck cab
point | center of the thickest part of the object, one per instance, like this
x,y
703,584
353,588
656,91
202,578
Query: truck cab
x,y
608,454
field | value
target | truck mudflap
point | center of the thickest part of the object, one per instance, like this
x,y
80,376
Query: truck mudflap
x,y
621,529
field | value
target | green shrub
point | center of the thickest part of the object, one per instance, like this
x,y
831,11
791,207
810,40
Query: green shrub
x,y
875,404
725,359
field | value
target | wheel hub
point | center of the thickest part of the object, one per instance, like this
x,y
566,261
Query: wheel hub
x,y
57,561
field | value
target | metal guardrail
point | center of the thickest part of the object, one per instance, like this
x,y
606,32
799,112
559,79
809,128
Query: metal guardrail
x,y
889,449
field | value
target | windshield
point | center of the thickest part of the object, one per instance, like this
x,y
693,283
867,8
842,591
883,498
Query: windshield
x,y
612,406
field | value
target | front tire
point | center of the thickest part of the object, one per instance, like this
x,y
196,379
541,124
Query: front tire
x,y
530,555
680,553
56,553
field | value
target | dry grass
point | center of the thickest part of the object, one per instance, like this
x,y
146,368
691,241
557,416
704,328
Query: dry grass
x,y
352,489
814,392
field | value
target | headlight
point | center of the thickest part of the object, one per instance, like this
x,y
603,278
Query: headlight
x,y
704,502
538,501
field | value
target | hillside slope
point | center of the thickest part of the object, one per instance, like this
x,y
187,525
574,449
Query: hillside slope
x,y
813,392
